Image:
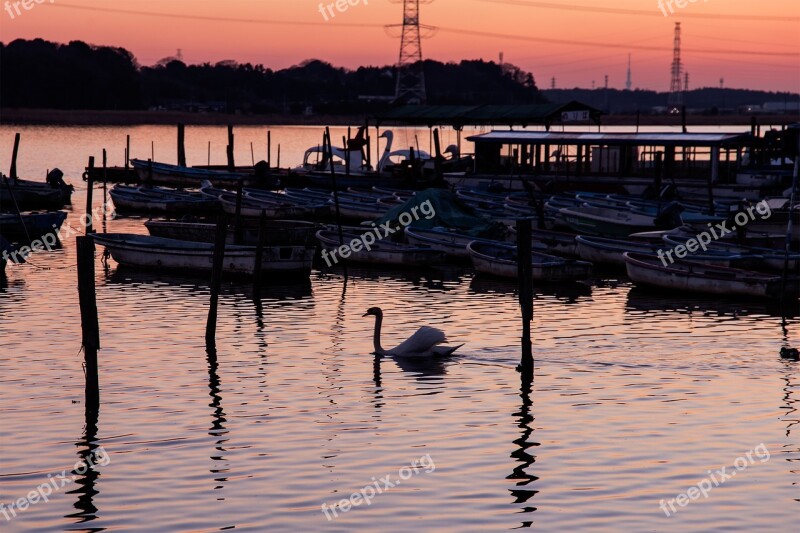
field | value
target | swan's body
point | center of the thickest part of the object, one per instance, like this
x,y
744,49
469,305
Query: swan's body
x,y
424,343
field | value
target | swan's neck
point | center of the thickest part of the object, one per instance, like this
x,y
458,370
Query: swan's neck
x,y
386,152
376,339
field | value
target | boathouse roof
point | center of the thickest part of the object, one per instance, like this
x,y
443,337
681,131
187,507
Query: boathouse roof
x,y
635,139
458,116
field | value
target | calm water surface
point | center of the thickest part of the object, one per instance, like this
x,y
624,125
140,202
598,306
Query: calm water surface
x,y
635,397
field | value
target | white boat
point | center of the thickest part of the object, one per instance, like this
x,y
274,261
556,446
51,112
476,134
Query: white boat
x,y
276,232
160,200
143,251
601,250
604,221
649,270
497,259
382,252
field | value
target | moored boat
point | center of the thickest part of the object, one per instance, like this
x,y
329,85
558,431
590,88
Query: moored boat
x,y
691,276
143,251
382,252
160,200
20,228
497,259
276,232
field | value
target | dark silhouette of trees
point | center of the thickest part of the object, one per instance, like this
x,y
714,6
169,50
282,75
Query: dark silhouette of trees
x,y
42,74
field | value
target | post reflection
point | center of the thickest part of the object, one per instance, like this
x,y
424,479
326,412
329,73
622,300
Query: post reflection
x,y
525,460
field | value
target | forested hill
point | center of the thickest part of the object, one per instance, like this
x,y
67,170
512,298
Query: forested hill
x,y
47,75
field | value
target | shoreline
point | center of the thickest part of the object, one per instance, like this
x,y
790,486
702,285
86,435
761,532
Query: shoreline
x,y
60,117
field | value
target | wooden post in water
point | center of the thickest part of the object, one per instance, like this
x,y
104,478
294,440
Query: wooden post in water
x,y
90,329
367,140
279,157
237,222
683,118
437,162
181,145
231,162
105,183
89,191
127,152
262,239
525,276
149,173
216,281
269,149
790,228
12,173
329,149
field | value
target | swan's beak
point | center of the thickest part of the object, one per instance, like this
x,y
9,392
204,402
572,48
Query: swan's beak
x,y
365,314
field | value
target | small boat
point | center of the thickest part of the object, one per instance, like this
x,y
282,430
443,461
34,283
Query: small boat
x,y
606,251
178,176
31,226
277,232
144,251
53,194
758,256
498,259
691,276
382,252
606,222
160,200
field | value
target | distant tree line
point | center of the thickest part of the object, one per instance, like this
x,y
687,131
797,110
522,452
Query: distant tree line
x,y
708,100
42,74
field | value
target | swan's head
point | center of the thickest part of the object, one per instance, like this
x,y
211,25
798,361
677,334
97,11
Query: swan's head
x,y
374,311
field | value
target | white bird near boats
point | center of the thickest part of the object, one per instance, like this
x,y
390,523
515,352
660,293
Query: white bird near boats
x,y
424,343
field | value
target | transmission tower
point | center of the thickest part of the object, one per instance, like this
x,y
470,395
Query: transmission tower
x,y
675,100
410,87
629,81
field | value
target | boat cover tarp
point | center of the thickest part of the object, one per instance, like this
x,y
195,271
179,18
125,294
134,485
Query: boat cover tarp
x,y
448,212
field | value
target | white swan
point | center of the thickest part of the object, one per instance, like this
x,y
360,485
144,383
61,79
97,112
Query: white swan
x,y
389,136
424,343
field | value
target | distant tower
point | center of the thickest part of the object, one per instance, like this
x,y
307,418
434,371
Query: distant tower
x,y
722,83
605,94
686,82
675,100
629,82
410,69
179,55
553,82
501,59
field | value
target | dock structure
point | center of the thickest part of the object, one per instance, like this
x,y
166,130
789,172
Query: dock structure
x,y
611,162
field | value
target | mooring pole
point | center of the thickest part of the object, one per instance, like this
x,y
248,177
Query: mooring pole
x,y
437,161
269,149
181,145
90,328
12,173
525,276
790,228
105,184
237,222
127,152
231,163
89,191
216,280
262,239
334,186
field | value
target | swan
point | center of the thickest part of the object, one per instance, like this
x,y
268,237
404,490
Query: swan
x,y
424,343
389,136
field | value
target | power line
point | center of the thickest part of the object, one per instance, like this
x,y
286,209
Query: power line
x,y
638,12
183,16
609,45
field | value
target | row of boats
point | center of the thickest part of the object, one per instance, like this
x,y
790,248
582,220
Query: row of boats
x,y
575,233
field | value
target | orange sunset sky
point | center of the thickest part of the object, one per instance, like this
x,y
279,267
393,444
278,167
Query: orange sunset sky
x,y
750,43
